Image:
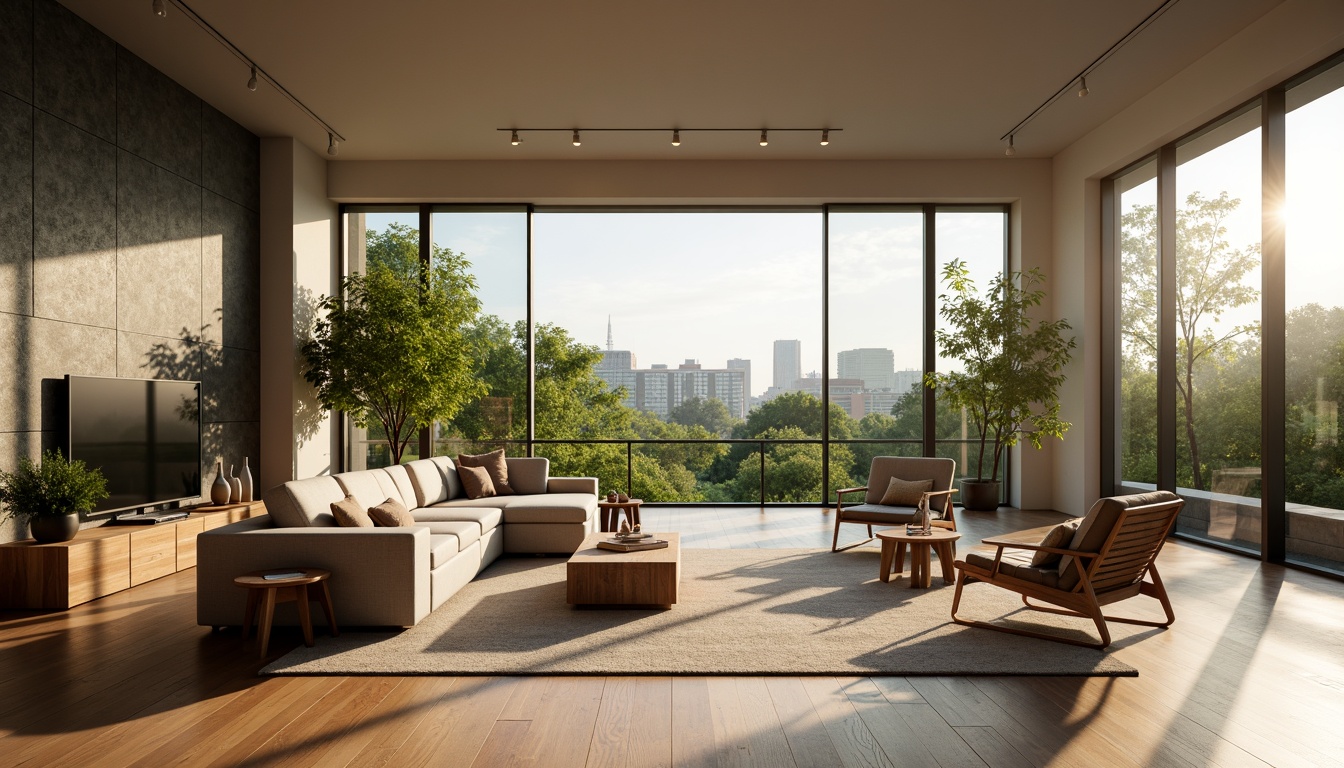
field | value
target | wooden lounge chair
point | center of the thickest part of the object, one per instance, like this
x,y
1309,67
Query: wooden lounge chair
x,y
1106,561
871,512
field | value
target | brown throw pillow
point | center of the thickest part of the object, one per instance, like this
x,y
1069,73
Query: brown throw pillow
x,y
349,514
492,462
905,493
391,514
1059,536
476,482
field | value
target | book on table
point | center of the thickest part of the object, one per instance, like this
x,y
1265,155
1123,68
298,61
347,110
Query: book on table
x,y
632,546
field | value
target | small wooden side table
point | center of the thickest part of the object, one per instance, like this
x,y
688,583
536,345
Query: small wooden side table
x,y
894,543
611,513
312,585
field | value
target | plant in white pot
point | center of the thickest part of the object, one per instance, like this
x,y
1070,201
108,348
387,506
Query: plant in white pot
x,y
50,496
1012,369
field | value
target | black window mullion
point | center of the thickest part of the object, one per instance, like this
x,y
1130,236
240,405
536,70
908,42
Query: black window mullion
x,y
1273,322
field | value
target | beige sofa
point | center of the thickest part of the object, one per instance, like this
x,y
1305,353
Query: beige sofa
x,y
392,576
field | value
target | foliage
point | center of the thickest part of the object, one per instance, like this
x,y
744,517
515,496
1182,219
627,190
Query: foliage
x,y
53,488
1013,369
391,349
709,413
792,470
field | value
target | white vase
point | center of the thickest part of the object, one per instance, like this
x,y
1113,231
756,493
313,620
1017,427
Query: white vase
x,y
246,479
220,490
235,487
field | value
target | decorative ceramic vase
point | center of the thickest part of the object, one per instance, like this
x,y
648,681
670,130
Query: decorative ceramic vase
x,y
58,528
235,487
219,490
611,497
246,479
622,498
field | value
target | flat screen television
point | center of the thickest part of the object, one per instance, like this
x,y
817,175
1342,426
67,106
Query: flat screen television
x,y
144,434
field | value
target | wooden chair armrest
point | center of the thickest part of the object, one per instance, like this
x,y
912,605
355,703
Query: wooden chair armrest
x,y
1010,544
850,490
928,494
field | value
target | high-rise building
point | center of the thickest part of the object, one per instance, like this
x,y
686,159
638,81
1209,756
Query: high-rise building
x,y
876,367
788,364
738,364
658,389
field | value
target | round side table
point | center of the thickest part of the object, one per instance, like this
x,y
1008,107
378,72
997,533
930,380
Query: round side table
x,y
311,585
611,513
896,540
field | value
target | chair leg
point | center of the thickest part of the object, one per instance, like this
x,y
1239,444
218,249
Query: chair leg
x,y
835,538
1098,619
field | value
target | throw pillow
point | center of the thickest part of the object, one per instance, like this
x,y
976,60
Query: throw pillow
x,y
1059,536
391,514
349,514
476,482
905,493
493,462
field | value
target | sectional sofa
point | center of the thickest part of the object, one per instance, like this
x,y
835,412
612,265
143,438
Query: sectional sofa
x,y
392,576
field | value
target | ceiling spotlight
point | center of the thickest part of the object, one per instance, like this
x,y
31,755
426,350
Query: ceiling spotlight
x,y
252,81
825,137
1082,90
1011,150
514,140
577,142
160,8
765,141
676,137
331,144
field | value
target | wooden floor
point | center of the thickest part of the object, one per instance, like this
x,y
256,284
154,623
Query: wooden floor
x,y
1252,673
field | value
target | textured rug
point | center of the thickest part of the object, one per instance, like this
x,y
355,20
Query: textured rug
x,y
741,611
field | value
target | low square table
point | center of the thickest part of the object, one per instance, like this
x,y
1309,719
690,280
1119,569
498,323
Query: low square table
x,y
601,577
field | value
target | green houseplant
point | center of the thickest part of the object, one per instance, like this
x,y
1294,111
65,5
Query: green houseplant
x,y
1009,386
49,496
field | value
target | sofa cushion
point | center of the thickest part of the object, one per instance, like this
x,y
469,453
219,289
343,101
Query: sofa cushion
x,y
528,474
449,471
442,548
483,519
492,462
878,514
402,480
466,532
1058,537
349,513
369,487
304,503
391,514
905,493
476,482
550,508
490,502
430,485
1017,563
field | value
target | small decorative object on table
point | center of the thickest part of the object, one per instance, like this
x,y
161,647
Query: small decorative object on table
x,y
219,490
622,498
632,544
246,479
235,487
611,497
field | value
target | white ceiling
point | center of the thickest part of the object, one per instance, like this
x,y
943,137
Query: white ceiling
x,y
429,79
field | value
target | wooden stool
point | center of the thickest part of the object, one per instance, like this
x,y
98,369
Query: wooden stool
x,y
312,585
610,512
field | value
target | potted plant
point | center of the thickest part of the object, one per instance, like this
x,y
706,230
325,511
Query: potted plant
x,y
49,496
1009,387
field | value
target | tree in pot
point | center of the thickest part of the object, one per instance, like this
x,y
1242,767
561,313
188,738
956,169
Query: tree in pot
x,y
50,496
390,349
1009,387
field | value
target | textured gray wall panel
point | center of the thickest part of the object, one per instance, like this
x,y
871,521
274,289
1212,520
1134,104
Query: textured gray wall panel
x,y
233,378
231,301
74,224
158,250
47,349
16,206
157,119
158,357
74,70
16,50
231,162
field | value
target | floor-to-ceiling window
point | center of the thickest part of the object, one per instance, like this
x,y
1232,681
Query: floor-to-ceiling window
x,y
1136,242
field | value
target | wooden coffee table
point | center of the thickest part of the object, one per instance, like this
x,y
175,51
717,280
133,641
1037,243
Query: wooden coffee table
x,y
600,577
895,541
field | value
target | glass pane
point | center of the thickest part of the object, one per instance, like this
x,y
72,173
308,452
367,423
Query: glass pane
x,y
1218,332
1315,322
491,247
389,237
979,239
1137,242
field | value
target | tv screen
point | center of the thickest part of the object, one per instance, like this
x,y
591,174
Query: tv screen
x,y
144,434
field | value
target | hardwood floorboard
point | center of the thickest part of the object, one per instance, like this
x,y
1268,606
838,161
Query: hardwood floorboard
x,y
1251,674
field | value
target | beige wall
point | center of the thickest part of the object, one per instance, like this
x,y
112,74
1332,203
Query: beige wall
x,y
299,265
1282,43
1023,183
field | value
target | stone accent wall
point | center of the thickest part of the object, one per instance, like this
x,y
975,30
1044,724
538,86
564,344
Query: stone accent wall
x,y
129,235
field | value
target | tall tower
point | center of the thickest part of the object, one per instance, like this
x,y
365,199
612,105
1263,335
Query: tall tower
x,y
788,363
609,344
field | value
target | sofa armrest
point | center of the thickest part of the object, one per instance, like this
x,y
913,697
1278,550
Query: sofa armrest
x,y
572,485
379,576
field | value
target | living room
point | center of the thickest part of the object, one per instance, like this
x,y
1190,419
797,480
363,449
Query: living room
x,y
162,220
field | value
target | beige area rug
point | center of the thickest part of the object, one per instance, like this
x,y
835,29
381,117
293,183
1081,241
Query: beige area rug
x,y
741,611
